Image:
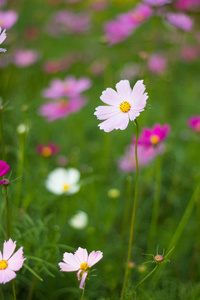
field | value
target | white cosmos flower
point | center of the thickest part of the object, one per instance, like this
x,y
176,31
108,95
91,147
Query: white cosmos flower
x,y
63,181
79,220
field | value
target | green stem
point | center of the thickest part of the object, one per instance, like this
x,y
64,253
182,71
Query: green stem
x,y
14,291
131,295
133,215
82,297
2,135
1,294
156,202
7,212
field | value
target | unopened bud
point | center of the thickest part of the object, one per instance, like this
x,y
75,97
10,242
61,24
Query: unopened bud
x,y
159,258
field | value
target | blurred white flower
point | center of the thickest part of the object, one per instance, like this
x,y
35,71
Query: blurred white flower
x,y
63,181
79,220
22,128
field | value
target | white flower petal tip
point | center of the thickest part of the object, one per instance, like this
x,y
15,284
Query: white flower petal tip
x,y
123,106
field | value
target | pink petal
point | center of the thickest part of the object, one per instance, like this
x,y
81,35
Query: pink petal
x,y
71,260
105,112
83,280
8,249
138,98
124,90
67,268
119,121
94,257
16,261
1,255
109,96
133,114
81,255
6,275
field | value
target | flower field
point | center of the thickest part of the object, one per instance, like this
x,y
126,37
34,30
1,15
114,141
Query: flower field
x,y
99,137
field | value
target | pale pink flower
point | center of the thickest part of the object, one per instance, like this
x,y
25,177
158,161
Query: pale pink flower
x,y
190,53
8,18
156,2
123,105
70,87
187,4
4,169
194,123
60,109
157,63
10,263
25,58
154,136
80,261
2,39
180,20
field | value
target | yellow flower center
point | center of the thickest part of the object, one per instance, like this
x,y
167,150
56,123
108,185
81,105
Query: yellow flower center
x,y
63,104
154,139
84,267
46,151
3,264
65,187
197,127
125,106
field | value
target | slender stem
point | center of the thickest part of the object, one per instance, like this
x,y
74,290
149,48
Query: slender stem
x,y
133,214
131,295
156,202
1,294
2,135
14,291
82,297
7,213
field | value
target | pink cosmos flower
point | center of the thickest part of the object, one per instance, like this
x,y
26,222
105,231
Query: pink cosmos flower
x,y
157,63
10,263
25,58
187,4
180,20
194,123
157,2
116,31
62,108
8,18
154,136
138,16
190,53
123,105
48,150
4,169
80,261
2,38
145,156
70,87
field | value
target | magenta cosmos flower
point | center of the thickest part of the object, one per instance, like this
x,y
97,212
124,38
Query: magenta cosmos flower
x,y
138,16
2,39
9,262
62,108
8,18
69,87
156,2
80,261
194,123
4,169
123,105
154,136
48,150
187,4
180,20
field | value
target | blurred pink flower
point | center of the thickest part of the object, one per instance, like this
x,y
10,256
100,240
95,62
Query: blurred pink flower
x,y
70,87
145,156
190,53
157,63
194,123
157,2
25,58
80,261
48,150
137,16
2,38
187,4
8,18
10,263
153,136
4,169
62,108
123,105
180,20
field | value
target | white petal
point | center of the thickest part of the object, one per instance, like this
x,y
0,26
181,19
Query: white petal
x,y
110,96
105,112
73,175
8,249
124,90
119,121
82,255
94,257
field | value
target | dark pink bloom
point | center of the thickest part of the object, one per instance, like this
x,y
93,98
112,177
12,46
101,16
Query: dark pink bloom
x,y
187,4
157,63
180,20
48,150
4,169
154,136
8,18
25,58
62,108
156,2
70,87
190,53
194,123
